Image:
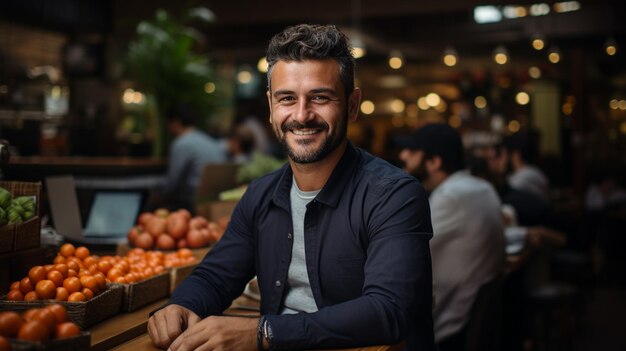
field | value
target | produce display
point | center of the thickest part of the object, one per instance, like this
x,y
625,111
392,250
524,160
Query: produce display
x,y
76,275
165,230
37,324
15,210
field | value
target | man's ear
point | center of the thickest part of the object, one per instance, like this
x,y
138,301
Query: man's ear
x,y
269,103
354,102
433,164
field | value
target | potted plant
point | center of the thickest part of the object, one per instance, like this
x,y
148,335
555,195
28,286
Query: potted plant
x,y
163,62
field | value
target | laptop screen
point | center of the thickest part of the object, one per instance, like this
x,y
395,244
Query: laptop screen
x,y
112,213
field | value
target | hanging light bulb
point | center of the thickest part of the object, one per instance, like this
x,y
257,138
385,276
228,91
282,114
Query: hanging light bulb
x,y
554,54
500,55
538,42
396,60
610,46
450,57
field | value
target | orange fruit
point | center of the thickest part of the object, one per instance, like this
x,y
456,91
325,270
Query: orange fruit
x,y
31,296
33,331
62,294
46,289
59,259
66,330
62,267
5,345
56,277
37,274
60,313
45,317
10,324
15,285
72,284
15,295
67,250
76,297
88,293
81,252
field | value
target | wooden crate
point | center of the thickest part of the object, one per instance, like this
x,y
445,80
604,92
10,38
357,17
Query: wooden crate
x,y
141,293
80,342
84,314
26,234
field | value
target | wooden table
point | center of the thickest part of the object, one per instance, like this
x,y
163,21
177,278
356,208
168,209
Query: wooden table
x,y
128,331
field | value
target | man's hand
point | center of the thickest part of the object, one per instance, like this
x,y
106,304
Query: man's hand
x,y
168,323
219,333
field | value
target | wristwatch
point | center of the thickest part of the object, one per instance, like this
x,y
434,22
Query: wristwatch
x,y
267,333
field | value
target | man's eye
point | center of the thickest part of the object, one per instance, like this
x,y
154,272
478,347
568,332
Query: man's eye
x,y
320,98
286,99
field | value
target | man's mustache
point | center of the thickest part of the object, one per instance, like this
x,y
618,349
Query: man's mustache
x,y
308,125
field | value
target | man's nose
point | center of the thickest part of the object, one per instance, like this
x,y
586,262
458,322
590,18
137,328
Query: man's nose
x,y
303,111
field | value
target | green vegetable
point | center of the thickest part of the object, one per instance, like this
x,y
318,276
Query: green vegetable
x,y
259,165
26,202
14,216
5,198
28,215
17,207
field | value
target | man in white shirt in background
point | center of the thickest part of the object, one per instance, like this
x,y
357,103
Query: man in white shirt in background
x,y
468,241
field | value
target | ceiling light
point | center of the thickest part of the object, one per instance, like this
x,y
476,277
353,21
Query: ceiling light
x,y
367,107
554,55
450,57
610,46
433,99
534,72
487,14
541,9
500,55
538,42
358,47
522,98
395,59
262,65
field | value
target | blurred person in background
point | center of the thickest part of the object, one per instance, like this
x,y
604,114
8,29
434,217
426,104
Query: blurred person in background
x,y
190,150
519,154
337,238
468,236
241,144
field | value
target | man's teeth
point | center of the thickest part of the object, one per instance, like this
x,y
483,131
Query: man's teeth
x,y
304,132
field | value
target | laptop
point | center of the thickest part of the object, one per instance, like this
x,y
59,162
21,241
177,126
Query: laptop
x,y
110,215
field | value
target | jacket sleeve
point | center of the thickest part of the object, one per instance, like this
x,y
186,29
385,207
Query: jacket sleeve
x,y
224,271
396,297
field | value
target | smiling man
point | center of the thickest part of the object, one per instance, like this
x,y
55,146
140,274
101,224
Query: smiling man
x,y
338,238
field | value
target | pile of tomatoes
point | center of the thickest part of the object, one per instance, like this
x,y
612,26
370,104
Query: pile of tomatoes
x,y
76,275
167,230
72,277
36,324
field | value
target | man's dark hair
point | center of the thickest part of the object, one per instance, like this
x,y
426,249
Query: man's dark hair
x,y
313,42
526,142
183,113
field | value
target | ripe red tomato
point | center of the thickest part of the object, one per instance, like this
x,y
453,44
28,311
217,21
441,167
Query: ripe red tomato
x,y
10,324
60,313
165,242
15,295
33,331
5,345
46,289
177,225
67,330
144,241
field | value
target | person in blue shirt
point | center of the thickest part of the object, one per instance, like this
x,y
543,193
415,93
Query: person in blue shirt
x,y
338,238
190,150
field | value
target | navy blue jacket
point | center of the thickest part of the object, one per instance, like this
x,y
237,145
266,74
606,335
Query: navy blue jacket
x,y
367,254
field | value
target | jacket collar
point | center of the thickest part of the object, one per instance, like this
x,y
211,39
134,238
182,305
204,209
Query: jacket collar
x,y
332,190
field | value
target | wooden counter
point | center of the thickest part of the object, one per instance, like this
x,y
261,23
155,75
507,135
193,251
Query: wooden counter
x,y
128,331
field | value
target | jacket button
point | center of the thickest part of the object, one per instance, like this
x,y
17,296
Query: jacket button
x,y
278,283
289,236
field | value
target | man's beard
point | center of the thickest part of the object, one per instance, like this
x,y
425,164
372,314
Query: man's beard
x,y
420,172
310,156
